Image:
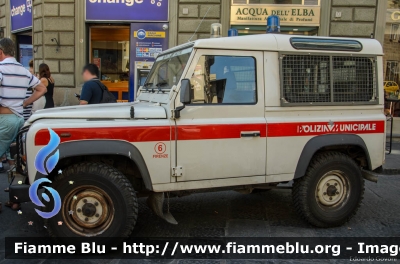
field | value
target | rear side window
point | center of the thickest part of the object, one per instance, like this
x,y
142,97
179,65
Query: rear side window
x,y
317,79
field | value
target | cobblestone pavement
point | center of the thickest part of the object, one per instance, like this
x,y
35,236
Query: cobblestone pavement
x,y
232,214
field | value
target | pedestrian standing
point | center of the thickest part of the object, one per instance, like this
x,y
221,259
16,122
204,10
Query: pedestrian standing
x,y
48,81
94,91
29,92
14,82
91,90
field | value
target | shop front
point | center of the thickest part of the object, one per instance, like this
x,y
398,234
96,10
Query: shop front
x,y
21,26
300,17
392,42
391,48
124,39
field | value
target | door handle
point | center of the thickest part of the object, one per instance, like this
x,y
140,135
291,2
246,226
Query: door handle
x,y
250,134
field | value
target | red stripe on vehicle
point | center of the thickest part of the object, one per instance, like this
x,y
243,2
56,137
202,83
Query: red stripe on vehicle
x,y
322,128
131,134
207,132
146,134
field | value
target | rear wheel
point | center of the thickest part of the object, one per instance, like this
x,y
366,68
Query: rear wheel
x,y
331,191
97,201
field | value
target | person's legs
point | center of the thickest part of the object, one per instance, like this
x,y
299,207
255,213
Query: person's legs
x,y
9,127
2,170
9,158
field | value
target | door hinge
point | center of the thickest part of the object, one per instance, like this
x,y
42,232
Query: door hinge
x,y
177,171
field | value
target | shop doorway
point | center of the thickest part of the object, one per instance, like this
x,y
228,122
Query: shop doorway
x,y
109,50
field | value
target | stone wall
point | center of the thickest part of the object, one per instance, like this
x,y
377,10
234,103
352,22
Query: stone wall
x,y
353,18
3,18
191,13
54,42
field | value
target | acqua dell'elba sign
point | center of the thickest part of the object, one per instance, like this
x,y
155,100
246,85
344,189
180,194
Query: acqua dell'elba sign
x,y
289,15
127,10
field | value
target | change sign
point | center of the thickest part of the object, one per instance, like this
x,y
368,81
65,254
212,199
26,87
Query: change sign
x,y
21,15
127,10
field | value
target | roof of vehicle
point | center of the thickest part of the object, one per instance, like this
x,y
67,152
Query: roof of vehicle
x,y
282,42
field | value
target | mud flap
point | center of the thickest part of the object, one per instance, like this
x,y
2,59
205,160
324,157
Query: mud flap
x,y
156,201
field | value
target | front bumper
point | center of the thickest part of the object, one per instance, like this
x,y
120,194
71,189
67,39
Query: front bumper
x,y
19,193
19,189
20,159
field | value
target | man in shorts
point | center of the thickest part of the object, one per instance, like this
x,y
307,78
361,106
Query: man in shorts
x,y
15,80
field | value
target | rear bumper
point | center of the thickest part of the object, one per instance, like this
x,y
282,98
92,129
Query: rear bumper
x,y
370,176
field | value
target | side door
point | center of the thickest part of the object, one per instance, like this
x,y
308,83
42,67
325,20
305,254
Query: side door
x,y
222,132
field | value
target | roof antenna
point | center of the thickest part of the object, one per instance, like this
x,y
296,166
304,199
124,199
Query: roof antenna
x,y
200,24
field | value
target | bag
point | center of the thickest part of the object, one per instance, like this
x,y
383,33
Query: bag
x,y
107,96
39,104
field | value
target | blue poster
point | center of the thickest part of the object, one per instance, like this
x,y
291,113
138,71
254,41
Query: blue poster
x,y
21,15
26,54
147,41
127,10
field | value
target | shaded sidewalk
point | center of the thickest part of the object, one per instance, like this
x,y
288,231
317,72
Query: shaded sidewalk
x,y
392,164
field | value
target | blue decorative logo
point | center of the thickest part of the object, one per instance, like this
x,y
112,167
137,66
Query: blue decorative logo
x,y
35,199
46,160
141,34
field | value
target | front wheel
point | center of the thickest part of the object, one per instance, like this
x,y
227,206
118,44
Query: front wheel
x,y
97,201
331,191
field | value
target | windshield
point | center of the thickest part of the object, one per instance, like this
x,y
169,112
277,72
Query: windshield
x,y
167,70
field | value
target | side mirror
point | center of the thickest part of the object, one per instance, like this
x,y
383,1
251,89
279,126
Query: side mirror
x,y
186,97
186,91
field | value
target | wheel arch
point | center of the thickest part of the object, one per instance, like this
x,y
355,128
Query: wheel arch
x,y
341,142
96,148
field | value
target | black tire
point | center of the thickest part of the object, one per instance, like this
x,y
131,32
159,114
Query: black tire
x,y
258,191
105,188
333,170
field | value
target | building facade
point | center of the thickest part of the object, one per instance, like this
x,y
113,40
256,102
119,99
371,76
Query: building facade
x,y
123,37
392,42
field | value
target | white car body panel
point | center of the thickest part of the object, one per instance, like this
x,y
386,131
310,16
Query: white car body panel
x,y
105,111
209,158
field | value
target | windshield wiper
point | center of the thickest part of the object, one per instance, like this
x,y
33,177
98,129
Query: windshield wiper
x,y
161,84
146,86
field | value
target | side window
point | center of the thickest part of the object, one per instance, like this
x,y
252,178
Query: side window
x,y
313,79
306,79
353,79
224,80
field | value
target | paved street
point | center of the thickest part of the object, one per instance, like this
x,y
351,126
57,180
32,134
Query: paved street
x,y
392,164
234,214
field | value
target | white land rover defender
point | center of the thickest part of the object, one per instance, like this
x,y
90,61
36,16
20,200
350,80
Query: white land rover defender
x,y
238,113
